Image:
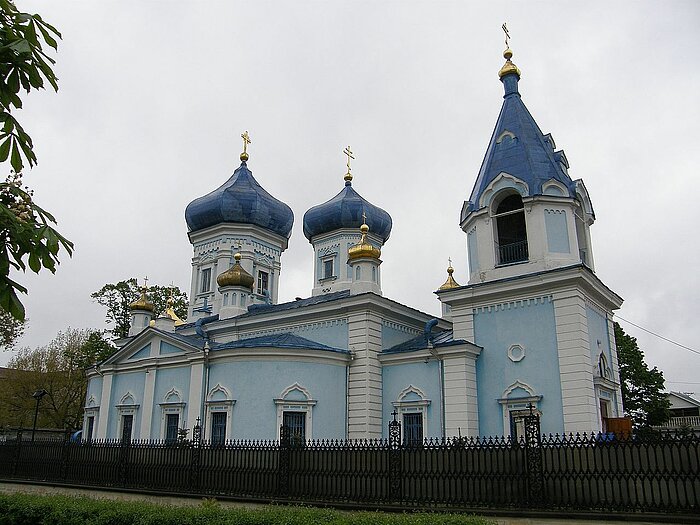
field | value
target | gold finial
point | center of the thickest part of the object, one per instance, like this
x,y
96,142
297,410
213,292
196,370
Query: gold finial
x,y
236,275
508,67
348,175
246,141
363,248
145,282
142,303
450,282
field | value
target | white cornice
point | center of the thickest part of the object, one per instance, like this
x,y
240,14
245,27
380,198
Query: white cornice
x,y
425,355
555,282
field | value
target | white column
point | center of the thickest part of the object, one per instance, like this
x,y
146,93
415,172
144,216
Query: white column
x,y
147,405
105,406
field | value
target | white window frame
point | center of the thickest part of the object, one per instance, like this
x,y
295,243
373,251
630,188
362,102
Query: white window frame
x,y
222,405
172,404
330,258
413,406
202,281
518,405
295,405
92,409
127,406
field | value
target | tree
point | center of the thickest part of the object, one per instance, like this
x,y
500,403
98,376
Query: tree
x,y
59,368
642,389
26,235
11,330
117,298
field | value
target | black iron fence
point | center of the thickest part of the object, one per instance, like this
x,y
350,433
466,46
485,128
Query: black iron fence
x,y
581,472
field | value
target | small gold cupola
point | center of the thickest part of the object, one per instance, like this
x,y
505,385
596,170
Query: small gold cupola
x,y
450,282
142,303
235,276
170,311
363,248
508,67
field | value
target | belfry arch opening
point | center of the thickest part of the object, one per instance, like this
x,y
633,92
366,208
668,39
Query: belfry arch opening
x,y
511,233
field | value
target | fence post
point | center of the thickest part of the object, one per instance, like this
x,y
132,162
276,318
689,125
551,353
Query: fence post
x,y
123,466
18,451
284,460
195,455
64,455
533,455
395,473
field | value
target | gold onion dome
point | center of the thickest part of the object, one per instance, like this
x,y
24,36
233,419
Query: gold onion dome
x,y
235,276
363,248
450,282
142,303
508,67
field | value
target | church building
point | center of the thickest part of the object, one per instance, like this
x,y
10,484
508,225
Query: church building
x,y
531,330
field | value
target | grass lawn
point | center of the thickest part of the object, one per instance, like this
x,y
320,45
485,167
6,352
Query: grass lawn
x,y
31,509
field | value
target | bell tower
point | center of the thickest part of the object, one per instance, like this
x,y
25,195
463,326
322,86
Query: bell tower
x,y
533,300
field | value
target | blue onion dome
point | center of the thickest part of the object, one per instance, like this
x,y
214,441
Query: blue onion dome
x,y
240,200
345,211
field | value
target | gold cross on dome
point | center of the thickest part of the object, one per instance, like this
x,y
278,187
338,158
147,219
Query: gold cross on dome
x,y
505,30
246,141
449,262
348,152
364,217
145,282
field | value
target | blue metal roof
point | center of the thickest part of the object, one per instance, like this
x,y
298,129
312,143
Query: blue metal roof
x,y
283,340
256,309
444,338
240,200
519,148
345,211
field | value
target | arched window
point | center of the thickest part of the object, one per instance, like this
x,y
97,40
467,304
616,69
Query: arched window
x,y
511,241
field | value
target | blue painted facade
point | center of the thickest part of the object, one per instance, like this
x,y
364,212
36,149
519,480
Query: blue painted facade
x,y
423,376
122,384
168,379
255,384
557,231
531,325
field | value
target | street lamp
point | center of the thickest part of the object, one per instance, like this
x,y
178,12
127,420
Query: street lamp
x,y
37,395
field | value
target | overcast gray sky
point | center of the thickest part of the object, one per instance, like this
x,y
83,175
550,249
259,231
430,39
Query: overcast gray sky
x,y
154,96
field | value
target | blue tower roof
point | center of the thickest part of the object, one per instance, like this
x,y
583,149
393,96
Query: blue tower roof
x,y
241,200
345,211
519,148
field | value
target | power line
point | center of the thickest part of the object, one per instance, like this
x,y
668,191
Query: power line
x,y
659,336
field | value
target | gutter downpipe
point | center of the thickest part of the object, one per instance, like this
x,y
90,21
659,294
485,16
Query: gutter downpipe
x,y
427,332
199,329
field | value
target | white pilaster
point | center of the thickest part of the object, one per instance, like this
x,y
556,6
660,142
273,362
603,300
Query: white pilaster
x,y
615,366
365,377
105,406
194,402
575,368
461,410
147,411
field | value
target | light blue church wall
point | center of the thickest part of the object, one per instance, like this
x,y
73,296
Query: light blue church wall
x,y
255,384
598,336
557,232
167,379
531,325
392,336
424,376
95,389
166,348
333,333
121,384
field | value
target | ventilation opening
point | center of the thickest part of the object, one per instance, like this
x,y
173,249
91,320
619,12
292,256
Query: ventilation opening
x,y
511,242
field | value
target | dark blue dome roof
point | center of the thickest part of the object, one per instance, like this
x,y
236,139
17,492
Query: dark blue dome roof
x,y
345,211
240,199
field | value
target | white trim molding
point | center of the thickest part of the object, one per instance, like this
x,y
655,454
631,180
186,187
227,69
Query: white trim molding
x,y
517,405
412,406
219,405
172,404
296,405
